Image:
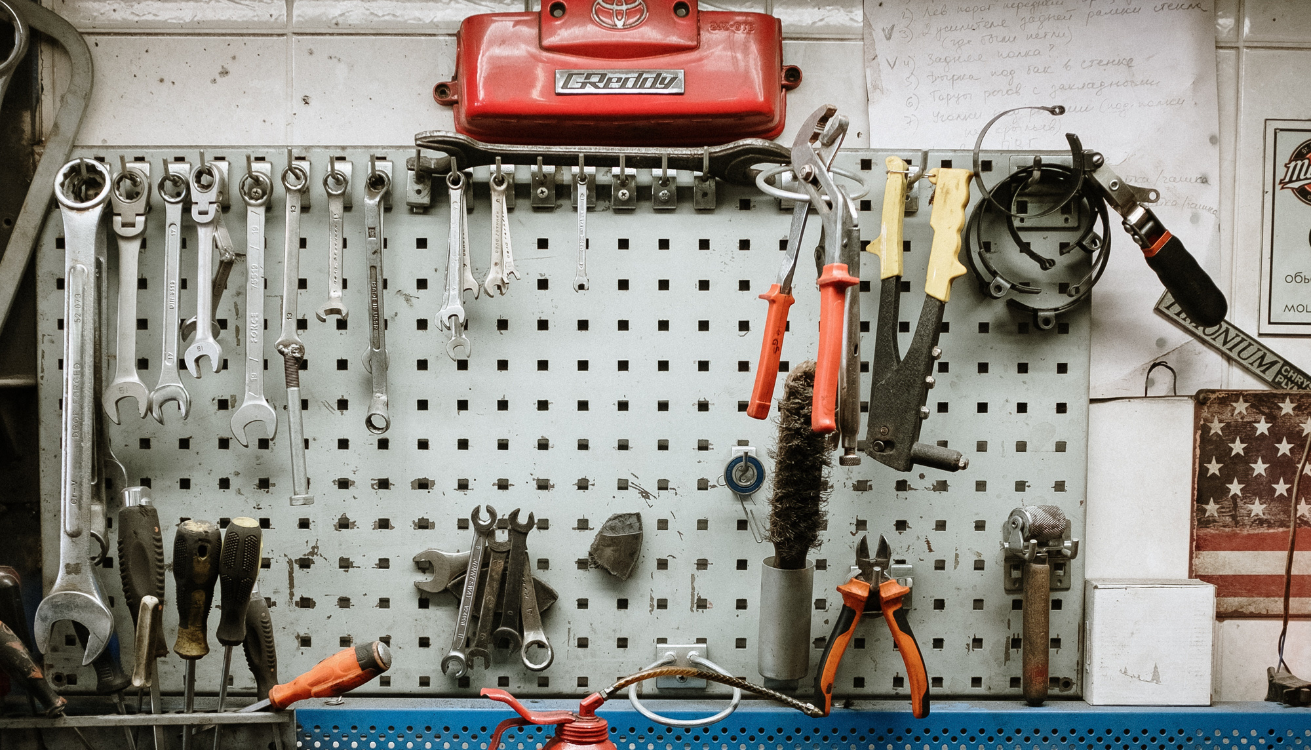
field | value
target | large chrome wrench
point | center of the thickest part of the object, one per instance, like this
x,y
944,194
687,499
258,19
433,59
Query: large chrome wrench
x,y
482,534
173,189
206,184
130,198
375,358
82,188
255,189
335,184
294,181
451,316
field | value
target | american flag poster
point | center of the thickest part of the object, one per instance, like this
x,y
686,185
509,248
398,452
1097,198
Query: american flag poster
x,y
1247,449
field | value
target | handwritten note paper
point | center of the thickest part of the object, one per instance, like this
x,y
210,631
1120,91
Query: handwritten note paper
x,y
1137,79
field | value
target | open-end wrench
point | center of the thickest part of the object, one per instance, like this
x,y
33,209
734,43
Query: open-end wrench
x,y
227,258
512,594
482,639
580,273
375,358
335,184
444,567
533,634
451,316
82,188
130,198
498,278
294,182
482,534
173,189
255,189
206,184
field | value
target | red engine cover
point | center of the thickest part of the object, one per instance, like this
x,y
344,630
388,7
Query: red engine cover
x,y
619,72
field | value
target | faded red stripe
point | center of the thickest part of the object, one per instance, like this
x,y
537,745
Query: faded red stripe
x,y
1228,540
1258,586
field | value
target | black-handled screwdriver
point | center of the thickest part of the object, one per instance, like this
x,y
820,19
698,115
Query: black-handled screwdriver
x,y
261,651
14,617
196,549
238,567
141,568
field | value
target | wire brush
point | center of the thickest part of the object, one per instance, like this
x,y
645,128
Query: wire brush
x,y
801,461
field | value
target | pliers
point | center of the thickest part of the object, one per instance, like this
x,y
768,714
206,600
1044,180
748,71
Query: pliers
x,y
875,578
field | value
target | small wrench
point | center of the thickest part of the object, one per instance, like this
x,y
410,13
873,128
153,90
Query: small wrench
x,y
130,198
173,189
294,181
512,595
498,278
533,634
451,316
335,184
206,184
580,274
443,566
82,188
482,639
227,258
375,358
482,534
256,188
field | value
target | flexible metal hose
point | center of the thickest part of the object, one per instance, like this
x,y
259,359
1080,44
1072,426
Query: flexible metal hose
x,y
808,709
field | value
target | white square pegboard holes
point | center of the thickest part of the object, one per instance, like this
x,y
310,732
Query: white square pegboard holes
x,y
626,397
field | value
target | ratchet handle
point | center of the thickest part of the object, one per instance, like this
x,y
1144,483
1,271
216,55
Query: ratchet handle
x,y
1191,287
855,593
833,284
776,325
890,594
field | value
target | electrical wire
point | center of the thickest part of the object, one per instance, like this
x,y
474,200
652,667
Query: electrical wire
x,y
809,709
1292,548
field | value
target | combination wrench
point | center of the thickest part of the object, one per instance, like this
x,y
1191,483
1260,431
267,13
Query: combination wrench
x,y
516,573
206,184
173,189
580,273
294,182
256,188
82,188
452,316
533,633
482,638
498,278
482,534
375,358
130,198
335,184
227,258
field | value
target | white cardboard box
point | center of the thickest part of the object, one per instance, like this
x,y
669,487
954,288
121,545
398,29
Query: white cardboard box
x,y
1147,642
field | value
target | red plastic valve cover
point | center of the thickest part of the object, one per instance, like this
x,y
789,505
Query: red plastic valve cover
x,y
619,72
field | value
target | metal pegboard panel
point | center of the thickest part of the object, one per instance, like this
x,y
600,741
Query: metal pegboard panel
x,y
627,397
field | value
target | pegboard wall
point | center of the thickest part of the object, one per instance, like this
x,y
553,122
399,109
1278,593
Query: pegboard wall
x,y
626,397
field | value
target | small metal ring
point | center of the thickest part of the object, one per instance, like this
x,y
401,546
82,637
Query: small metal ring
x,y
260,182
338,176
66,173
695,659
750,462
454,180
21,36
202,171
788,195
294,178
498,179
372,183
1076,163
178,182
131,175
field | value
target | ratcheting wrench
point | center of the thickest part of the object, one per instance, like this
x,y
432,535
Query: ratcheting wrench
x,y
130,198
256,188
206,184
335,184
498,278
482,534
173,189
375,358
294,181
82,188
452,316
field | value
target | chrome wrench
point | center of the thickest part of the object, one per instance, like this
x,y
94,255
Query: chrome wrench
x,y
335,184
482,534
482,637
206,184
227,258
580,273
498,278
294,181
82,188
451,316
533,634
173,189
256,188
375,358
130,198
515,575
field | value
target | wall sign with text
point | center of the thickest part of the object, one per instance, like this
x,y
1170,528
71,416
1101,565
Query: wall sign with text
x,y
1286,233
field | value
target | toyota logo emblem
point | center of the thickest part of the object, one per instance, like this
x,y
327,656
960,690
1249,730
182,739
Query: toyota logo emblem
x,y
618,14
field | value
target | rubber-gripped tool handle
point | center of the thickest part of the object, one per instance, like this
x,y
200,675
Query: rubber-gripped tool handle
x,y
195,571
18,663
833,284
140,555
110,677
238,567
771,347
261,651
336,675
890,595
1198,296
855,593
12,612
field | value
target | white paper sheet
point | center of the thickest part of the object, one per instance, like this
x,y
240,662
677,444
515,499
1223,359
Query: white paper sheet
x,y
1138,80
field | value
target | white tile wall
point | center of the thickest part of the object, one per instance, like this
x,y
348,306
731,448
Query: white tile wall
x,y
351,72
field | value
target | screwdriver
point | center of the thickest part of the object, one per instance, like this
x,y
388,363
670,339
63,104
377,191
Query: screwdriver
x,y
334,676
13,618
195,571
150,634
141,563
238,568
261,652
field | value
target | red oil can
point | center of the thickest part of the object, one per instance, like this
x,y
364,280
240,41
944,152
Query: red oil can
x,y
619,72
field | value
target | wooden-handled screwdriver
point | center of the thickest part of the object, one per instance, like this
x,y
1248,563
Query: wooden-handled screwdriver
x,y
195,570
238,568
